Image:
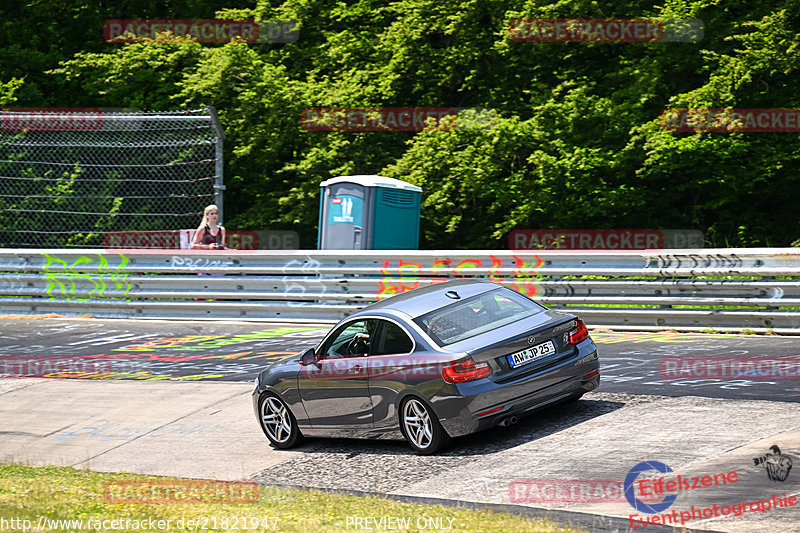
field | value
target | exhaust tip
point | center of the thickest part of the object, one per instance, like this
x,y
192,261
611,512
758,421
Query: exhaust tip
x,y
508,421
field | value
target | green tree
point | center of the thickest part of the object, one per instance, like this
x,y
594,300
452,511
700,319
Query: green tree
x,y
572,138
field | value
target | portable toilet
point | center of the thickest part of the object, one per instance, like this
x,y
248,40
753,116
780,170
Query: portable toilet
x,y
368,213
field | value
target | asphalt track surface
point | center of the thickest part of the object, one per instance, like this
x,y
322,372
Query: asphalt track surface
x,y
173,398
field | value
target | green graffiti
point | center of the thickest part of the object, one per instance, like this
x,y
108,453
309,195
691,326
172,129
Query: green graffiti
x,y
57,280
52,280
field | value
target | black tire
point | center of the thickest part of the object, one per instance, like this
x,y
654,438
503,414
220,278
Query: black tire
x,y
421,427
277,422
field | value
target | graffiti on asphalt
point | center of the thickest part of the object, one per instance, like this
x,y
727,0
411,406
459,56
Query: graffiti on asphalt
x,y
630,368
678,338
140,366
184,358
632,365
202,343
108,431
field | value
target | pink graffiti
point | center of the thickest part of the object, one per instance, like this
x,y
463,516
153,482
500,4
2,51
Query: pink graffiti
x,y
401,276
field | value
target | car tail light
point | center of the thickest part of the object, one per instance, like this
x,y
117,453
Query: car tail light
x,y
464,371
580,333
490,411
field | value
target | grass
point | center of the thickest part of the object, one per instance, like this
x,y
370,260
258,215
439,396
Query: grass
x,y
62,493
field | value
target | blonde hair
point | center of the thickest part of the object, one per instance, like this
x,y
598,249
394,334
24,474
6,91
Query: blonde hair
x,y
208,208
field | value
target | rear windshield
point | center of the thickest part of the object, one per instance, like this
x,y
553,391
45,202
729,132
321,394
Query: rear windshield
x,y
476,315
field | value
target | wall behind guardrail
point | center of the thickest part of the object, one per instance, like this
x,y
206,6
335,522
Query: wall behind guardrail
x,y
722,289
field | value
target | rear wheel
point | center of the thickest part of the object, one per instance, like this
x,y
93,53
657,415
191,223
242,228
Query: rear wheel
x,y
278,422
422,428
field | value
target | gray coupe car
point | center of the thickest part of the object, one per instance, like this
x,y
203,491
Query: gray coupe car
x,y
428,365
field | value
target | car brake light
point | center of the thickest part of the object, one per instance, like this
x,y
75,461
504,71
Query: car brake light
x,y
464,371
580,333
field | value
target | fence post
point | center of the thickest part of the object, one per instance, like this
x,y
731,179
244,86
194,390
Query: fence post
x,y
219,184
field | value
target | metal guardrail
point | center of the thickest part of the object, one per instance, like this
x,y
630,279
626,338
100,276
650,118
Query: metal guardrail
x,y
722,289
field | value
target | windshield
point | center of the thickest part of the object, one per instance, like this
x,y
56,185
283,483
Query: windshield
x,y
476,315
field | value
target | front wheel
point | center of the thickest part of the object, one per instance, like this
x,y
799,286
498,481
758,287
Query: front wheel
x,y
278,423
422,428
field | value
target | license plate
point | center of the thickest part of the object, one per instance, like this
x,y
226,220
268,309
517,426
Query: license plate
x,y
529,354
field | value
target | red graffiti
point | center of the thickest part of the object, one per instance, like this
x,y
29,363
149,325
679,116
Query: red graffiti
x,y
405,276
390,286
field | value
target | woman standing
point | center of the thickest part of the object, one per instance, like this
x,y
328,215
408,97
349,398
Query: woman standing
x,y
208,235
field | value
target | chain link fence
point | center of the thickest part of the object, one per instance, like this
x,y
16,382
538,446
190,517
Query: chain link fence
x,y
70,178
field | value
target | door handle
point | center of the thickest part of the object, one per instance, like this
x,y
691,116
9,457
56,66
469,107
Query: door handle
x,y
356,369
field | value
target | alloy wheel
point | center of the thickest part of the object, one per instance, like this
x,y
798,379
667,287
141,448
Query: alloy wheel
x,y
276,420
417,422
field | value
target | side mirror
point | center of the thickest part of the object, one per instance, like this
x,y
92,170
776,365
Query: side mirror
x,y
308,357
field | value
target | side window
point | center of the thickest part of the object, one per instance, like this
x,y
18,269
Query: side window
x,y
352,341
392,340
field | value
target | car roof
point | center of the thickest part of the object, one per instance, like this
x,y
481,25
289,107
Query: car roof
x,y
423,300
